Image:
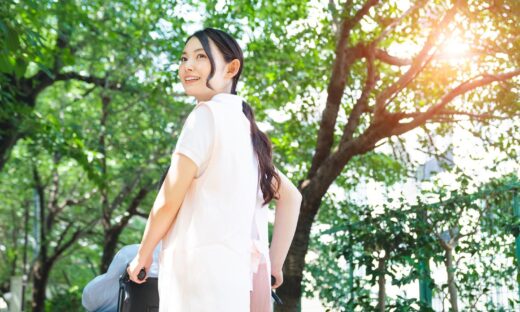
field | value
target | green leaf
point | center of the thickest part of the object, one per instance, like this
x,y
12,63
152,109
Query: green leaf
x,y
20,67
5,64
12,40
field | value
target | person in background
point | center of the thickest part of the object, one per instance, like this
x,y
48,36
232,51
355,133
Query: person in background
x,y
100,294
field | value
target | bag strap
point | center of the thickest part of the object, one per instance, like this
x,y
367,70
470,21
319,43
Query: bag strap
x,y
121,294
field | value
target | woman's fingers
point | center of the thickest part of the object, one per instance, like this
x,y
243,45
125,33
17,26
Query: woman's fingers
x,y
278,280
134,276
139,268
278,283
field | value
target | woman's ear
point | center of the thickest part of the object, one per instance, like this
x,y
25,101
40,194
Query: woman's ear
x,y
233,68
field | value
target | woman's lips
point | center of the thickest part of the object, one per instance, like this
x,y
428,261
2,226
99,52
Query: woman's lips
x,y
191,81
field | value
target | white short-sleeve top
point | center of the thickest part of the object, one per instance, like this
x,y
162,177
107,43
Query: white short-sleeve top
x,y
220,234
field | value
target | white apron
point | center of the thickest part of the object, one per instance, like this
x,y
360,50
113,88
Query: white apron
x,y
219,236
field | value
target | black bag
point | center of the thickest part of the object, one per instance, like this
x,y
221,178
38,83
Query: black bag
x,y
145,297
135,297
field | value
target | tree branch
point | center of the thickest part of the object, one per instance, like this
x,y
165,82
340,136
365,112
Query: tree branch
x,y
102,82
60,248
42,80
336,87
396,21
134,204
483,116
417,65
127,188
75,201
460,89
362,102
142,214
384,57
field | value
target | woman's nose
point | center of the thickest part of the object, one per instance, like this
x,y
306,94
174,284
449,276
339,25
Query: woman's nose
x,y
187,70
188,65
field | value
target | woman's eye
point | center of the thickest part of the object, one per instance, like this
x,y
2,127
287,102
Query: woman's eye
x,y
183,59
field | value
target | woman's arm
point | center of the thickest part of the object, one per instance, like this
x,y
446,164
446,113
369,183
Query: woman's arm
x,y
286,217
165,208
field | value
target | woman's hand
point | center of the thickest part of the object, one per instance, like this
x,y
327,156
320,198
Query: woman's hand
x,y
135,267
278,275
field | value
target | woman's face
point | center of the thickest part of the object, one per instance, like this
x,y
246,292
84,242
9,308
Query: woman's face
x,y
195,64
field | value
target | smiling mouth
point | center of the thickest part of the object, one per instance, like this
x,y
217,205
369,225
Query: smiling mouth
x,y
191,80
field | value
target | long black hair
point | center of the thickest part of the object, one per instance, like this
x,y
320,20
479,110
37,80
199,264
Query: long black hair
x,y
231,50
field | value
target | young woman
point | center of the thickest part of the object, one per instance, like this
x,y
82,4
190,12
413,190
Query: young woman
x,y
211,209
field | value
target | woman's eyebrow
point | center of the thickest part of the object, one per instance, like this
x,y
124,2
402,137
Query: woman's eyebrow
x,y
193,51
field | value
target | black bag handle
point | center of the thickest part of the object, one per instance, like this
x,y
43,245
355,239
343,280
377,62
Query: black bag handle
x,y
123,278
121,294
273,294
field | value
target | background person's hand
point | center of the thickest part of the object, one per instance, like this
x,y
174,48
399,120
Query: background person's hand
x,y
278,275
135,267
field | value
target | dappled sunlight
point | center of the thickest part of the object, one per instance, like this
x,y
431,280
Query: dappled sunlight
x,y
454,49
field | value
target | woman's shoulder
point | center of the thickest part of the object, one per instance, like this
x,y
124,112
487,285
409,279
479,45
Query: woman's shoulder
x,y
200,116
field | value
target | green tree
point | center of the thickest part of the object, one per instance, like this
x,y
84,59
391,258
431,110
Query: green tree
x,y
465,233
92,89
384,70
394,94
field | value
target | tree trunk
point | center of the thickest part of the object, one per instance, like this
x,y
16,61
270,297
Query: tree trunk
x,y
41,272
381,296
109,249
291,290
7,140
452,287
313,191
